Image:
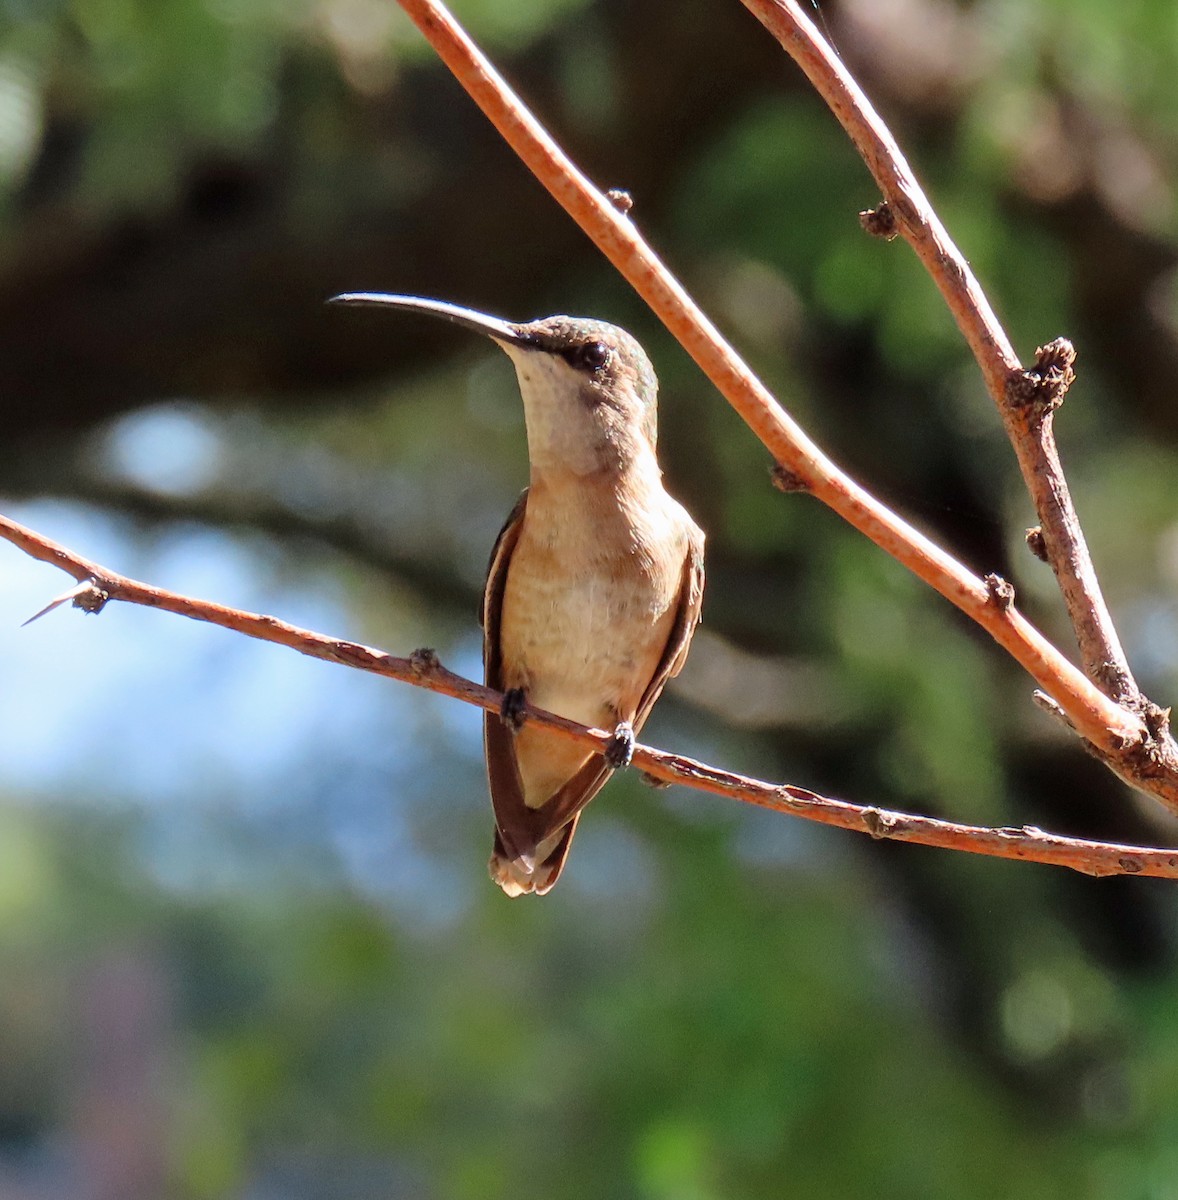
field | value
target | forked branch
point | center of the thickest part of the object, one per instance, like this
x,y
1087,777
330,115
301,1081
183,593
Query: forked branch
x,y
1026,398
98,586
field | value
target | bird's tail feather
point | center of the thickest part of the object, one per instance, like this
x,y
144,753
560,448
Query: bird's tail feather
x,y
536,873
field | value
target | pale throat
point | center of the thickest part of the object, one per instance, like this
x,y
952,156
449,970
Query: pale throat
x,y
567,433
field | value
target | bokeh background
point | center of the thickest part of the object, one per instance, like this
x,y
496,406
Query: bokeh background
x,y
248,948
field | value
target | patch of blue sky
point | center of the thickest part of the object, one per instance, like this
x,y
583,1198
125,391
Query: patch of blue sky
x,y
172,448
149,708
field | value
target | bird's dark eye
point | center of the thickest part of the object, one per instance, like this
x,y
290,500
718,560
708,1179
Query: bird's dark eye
x,y
590,356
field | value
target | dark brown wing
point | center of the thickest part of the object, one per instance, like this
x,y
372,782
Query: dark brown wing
x,y
691,598
492,607
589,780
514,820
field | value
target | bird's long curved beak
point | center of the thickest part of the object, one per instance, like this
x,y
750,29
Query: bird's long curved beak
x,y
492,327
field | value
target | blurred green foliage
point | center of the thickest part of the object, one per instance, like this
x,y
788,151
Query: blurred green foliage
x,y
651,1054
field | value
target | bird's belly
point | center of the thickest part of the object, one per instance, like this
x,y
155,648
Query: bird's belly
x,y
589,602
585,645
584,649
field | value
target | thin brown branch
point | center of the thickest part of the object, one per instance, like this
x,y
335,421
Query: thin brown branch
x,y
1026,399
101,586
1119,734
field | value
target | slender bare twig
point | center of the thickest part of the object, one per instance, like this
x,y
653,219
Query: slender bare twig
x,y
1119,735
98,586
1026,399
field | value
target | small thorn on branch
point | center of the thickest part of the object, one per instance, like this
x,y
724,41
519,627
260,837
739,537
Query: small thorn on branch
x,y
1035,543
1042,387
86,595
1048,705
785,480
57,601
880,221
620,199
1001,590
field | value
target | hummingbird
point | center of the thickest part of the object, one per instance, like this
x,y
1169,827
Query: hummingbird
x,y
595,582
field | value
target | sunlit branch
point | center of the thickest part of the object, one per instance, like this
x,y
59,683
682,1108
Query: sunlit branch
x,y
1026,399
97,586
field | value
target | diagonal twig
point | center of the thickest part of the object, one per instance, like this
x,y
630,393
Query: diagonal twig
x,y
99,586
1026,398
1137,751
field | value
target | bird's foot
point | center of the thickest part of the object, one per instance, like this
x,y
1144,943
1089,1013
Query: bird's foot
x,y
514,708
619,750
